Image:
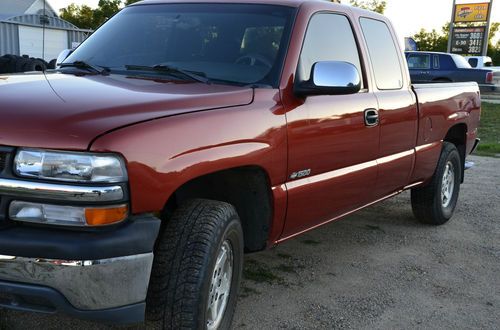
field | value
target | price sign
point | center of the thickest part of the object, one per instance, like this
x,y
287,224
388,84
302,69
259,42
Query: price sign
x,y
468,40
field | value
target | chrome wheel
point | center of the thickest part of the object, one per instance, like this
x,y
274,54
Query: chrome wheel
x,y
220,286
447,184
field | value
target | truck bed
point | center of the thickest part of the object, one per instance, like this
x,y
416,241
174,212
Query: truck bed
x,y
441,107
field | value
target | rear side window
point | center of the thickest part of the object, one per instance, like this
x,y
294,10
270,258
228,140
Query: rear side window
x,y
329,37
383,54
473,62
436,61
419,62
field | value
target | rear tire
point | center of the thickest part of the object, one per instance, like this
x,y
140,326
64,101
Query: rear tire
x,y
435,203
197,265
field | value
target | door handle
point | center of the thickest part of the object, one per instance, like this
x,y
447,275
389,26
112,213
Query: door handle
x,y
371,117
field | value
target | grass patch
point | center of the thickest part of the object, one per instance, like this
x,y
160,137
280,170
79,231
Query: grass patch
x,y
489,130
259,273
311,242
246,291
286,268
284,256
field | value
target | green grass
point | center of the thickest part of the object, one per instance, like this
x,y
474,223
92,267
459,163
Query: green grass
x,y
489,131
260,273
311,242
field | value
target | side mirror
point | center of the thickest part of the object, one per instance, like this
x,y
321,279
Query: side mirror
x,y
330,78
63,55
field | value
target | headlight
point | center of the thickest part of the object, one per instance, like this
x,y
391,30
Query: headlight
x,y
69,166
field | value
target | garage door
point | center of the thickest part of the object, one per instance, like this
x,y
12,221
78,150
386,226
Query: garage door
x,y
31,42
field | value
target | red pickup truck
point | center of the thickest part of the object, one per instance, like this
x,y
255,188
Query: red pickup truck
x,y
182,134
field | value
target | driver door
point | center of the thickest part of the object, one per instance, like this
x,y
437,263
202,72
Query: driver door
x,y
332,149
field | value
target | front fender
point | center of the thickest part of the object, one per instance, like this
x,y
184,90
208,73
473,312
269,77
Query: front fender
x,y
164,154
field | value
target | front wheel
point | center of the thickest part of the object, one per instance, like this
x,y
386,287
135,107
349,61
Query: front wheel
x,y
435,203
197,268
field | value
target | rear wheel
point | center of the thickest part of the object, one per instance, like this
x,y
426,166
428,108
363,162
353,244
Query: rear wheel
x,y
435,203
197,268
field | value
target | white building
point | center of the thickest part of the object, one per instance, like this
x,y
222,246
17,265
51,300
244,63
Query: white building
x,y
22,30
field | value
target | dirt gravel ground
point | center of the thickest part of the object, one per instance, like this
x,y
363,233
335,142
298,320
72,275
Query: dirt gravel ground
x,y
376,269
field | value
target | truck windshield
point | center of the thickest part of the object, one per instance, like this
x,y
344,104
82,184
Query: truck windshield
x,y
228,43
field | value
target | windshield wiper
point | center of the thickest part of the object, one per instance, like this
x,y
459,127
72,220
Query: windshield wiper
x,y
86,66
196,76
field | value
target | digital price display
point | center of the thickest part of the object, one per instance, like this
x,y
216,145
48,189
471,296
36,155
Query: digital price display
x,y
468,40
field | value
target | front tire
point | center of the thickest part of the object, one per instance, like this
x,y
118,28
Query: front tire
x,y
435,203
197,268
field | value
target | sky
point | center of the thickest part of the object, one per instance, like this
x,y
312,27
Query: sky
x,y
407,19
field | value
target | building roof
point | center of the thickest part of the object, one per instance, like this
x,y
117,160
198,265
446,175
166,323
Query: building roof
x,y
11,8
15,7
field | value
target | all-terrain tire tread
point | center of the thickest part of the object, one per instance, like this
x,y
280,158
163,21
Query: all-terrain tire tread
x,y
187,239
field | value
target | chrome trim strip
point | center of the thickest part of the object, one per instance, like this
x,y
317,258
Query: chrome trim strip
x,y
393,157
87,284
60,192
330,175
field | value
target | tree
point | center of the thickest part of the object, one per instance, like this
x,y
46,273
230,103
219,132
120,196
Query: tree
x,y
129,2
105,9
433,41
81,16
494,50
85,17
373,5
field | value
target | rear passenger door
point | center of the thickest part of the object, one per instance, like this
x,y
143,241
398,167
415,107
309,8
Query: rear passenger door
x,y
398,112
332,151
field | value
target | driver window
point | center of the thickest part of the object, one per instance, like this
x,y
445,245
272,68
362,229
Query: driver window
x,y
329,37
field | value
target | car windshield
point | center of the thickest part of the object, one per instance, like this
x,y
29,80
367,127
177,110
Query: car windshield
x,y
228,43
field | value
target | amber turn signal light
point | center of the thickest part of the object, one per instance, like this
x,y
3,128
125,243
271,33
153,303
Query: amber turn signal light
x,y
105,215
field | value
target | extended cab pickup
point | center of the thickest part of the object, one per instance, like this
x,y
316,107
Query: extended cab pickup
x,y
182,134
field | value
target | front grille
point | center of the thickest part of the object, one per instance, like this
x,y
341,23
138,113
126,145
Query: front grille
x,y
5,171
3,160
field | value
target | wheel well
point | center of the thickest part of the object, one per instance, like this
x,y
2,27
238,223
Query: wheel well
x,y
246,188
458,136
442,79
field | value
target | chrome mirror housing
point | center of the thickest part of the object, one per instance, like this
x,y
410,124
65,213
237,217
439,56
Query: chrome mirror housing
x,y
330,78
62,56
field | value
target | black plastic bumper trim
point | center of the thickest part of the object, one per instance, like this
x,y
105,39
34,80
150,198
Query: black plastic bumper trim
x,y
40,299
476,143
136,236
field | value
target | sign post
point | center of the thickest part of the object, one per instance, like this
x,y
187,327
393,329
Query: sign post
x,y
469,28
452,25
485,50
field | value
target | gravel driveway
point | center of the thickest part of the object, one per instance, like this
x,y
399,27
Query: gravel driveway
x,y
378,268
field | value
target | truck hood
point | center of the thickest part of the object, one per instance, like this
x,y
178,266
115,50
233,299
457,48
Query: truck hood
x,y
65,111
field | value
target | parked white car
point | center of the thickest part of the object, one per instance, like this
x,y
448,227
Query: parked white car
x,y
482,62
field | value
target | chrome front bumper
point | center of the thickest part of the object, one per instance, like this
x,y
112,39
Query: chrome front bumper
x,y
86,284
61,192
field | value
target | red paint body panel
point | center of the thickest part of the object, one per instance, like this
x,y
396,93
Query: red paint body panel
x,y
171,133
164,154
67,112
326,135
442,106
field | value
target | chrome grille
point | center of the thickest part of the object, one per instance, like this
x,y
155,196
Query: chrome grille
x,y
3,160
